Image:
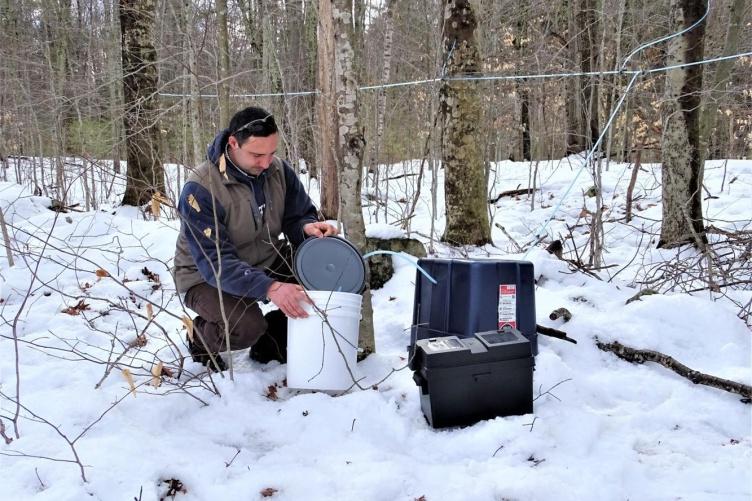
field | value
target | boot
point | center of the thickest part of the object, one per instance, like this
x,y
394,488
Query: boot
x,y
199,354
273,344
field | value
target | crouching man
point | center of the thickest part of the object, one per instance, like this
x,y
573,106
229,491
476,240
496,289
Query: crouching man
x,y
228,256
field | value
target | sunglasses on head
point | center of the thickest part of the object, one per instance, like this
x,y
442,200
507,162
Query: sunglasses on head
x,y
254,126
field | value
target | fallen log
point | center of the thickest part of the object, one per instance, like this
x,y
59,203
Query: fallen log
x,y
511,193
551,332
641,356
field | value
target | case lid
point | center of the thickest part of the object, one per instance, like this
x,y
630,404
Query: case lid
x,y
483,348
330,264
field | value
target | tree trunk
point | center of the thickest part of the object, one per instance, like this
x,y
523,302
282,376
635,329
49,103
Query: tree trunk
x,y
350,149
464,170
325,114
145,173
309,52
381,96
223,66
682,170
194,107
522,91
575,139
587,30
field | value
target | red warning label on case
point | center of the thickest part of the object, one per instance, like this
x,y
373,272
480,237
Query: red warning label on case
x,y
507,306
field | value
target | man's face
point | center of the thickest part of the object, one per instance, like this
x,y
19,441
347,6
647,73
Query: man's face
x,y
255,155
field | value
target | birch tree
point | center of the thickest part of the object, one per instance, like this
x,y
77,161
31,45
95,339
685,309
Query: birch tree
x,y
350,149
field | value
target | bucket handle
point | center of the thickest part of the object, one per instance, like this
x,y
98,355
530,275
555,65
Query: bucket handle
x,y
403,255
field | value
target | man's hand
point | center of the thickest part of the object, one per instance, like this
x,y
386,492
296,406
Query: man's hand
x,y
288,298
319,229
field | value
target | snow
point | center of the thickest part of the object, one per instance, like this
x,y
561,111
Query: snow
x,y
384,231
602,428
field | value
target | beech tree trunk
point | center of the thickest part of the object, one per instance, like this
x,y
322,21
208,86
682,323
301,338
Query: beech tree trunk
x,y
145,173
223,66
325,114
464,170
681,153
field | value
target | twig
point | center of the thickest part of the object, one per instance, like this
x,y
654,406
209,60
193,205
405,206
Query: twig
x,y
531,424
548,391
641,356
70,443
511,239
228,464
7,439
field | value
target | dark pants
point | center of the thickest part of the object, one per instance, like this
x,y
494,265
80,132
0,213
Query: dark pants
x,y
266,334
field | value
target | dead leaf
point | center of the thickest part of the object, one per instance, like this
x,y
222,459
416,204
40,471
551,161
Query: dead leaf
x,y
139,342
271,392
149,311
102,273
188,323
156,374
161,198
77,309
268,492
194,203
129,378
223,166
155,207
174,487
208,232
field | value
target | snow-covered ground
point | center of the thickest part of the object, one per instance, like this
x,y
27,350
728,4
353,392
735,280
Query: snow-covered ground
x,y
602,428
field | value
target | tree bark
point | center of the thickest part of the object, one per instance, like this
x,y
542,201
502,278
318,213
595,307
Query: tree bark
x,y
385,74
575,139
587,30
223,66
522,91
325,114
464,170
682,170
350,149
145,174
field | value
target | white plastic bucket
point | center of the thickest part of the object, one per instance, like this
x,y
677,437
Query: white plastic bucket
x,y
321,348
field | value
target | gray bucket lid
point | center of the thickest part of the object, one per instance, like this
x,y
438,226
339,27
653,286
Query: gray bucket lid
x,y
330,264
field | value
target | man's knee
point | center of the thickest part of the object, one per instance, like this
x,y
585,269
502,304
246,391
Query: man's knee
x,y
248,330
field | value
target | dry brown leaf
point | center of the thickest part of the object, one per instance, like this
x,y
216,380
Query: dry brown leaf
x,y
188,326
223,166
155,207
162,199
208,232
268,492
271,392
156,374
149,311
129,378
102,273
139,342
77,309
194,203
